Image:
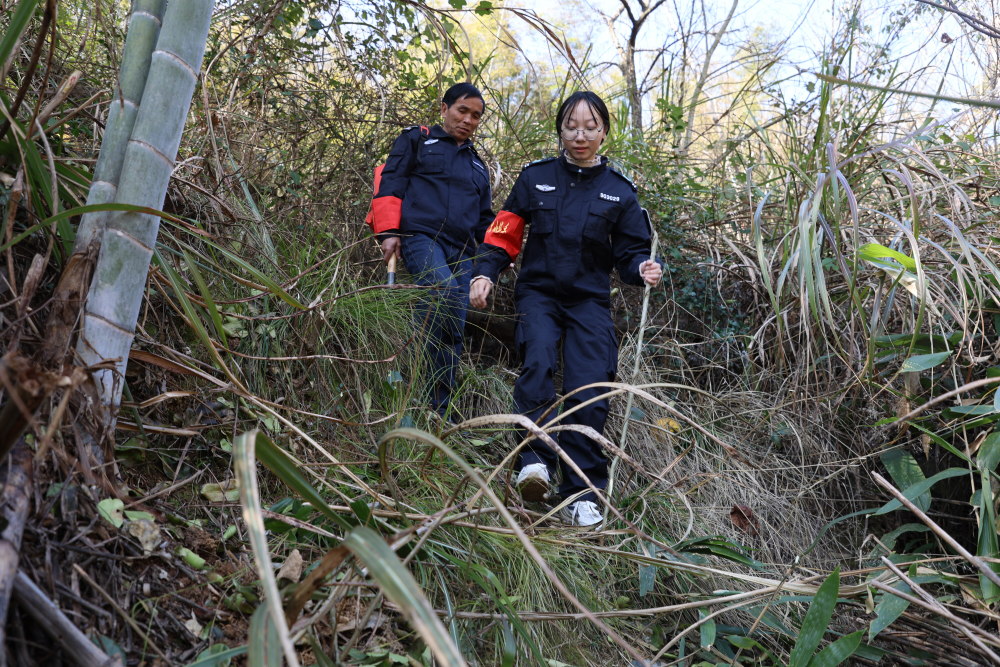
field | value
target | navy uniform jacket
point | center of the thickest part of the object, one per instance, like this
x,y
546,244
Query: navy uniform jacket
x,y
433,186
584,222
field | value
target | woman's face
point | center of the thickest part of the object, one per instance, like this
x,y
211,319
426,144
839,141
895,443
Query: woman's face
x,y
462,118
582,132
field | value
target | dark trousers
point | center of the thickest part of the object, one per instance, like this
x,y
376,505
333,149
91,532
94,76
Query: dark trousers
x,y
589,354
440,314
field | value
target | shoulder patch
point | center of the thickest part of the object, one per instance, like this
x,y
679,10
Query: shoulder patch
x,y
537,162
614,170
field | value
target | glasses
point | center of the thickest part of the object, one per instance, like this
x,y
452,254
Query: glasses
x,y
589,135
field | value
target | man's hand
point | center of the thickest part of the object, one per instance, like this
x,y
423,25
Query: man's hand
x,y
390,248
479,292
651,272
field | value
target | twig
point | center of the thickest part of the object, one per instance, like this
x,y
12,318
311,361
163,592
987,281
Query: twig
x,y
938,530
162,492
974,23
76,644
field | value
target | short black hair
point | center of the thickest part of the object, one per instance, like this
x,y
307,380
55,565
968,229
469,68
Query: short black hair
x,y
460,91
593,101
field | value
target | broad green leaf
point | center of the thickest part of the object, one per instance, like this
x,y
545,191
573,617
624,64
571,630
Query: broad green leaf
x,y
888,609
816,622
920,342
647,573
920,488
111,510
741,642
509,645
905,472
707,630
647,579
264,648
988,456
875,252
889,539
399,586
717,546
922,362
838,651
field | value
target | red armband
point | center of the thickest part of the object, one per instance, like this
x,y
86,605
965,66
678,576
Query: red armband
x,y
507,232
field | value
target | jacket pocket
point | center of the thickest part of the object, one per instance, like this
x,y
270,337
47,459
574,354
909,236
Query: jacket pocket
x,y
597,234
430,161
543,215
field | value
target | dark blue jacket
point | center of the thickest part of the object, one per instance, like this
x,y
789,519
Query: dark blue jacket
x,y
433,186
584,221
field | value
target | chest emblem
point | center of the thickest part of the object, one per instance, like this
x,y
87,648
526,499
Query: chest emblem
x,y
430,141
544,188
607,197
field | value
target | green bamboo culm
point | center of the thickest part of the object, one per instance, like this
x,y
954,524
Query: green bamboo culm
x,y
119,280
143,32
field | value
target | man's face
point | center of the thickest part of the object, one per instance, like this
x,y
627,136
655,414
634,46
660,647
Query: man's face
x,y
462,118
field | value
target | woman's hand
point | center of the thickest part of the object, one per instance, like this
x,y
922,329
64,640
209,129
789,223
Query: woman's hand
x,y
651,272
390,248
479,291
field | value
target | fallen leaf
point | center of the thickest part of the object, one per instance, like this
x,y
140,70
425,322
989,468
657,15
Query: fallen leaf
x,y
743,518
147,532
194,626
291,569
227,491
111,509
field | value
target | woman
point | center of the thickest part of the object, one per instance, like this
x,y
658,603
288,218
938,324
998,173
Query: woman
x,y
585,220
432,206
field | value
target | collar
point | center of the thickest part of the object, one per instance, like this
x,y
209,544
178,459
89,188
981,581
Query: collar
x,y
585,172
438,132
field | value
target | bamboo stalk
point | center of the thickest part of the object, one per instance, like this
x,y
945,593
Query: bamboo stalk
x,y
143,31
119,280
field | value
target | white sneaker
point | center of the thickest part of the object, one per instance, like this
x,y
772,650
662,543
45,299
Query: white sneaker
x,y
533,482
583,513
